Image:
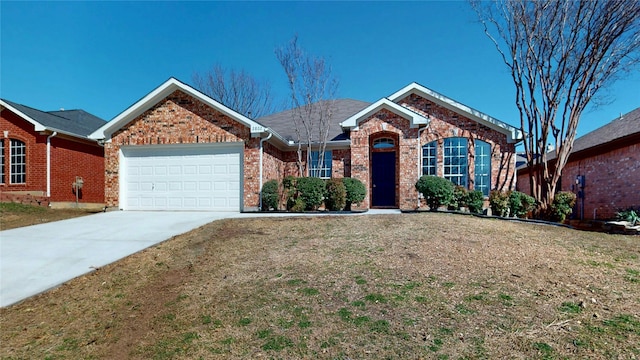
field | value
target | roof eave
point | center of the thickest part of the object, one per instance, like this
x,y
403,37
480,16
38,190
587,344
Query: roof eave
x,y
414,118
162,91
37,126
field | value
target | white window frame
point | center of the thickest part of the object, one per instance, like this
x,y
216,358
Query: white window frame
x,y
430,161
482,167
322,171
18,162
455,160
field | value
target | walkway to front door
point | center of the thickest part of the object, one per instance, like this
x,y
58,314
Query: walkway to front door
x,y
383,179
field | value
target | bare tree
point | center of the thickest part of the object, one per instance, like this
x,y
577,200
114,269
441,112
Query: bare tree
x,y
237,90
313,90
560,54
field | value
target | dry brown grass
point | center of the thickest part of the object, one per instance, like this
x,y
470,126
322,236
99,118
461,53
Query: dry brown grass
x,y
391,286
17,215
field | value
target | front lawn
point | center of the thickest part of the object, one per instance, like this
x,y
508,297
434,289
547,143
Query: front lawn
x,y
415,286
13,215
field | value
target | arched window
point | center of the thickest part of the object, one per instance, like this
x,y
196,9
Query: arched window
x,y
18,161
483,167
383,143
455,160
430,158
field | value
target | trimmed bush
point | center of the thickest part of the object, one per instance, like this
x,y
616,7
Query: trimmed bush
x,y
562,205
437,191
336,195
520,204
475,201
311,190
270,195
355,192
459,200
290,192
499,203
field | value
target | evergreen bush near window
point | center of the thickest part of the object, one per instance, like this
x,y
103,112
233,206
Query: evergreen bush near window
x,y
290,192
459,198
475,201
355,192
520,204
499,203
311,191
336,195
437,191
270,195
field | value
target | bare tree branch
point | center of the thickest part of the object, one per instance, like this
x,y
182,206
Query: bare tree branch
x,y
236,89
560,54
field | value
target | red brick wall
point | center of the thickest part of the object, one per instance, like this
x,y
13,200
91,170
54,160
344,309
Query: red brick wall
x,y
181,119
612,181
69,157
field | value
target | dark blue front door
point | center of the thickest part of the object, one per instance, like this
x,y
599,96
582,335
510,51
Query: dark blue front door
x,y
383,179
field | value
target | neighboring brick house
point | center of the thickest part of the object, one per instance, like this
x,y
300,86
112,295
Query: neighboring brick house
x,y
603,169
43,154
177,148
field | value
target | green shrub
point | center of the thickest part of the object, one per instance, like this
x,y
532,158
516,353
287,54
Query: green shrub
x,y
355,192
562,205
270,195
459,199
437,191
311,191
630,215
499,203
290,192
520,204
475,201
297,205
336,195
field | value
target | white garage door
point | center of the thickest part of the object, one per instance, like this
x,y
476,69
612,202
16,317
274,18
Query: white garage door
x,y
198,177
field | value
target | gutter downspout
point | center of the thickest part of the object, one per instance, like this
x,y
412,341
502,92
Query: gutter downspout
x,y
420,158
261,151
49,162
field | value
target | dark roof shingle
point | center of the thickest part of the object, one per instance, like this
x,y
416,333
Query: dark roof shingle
x,y
282,122
78,122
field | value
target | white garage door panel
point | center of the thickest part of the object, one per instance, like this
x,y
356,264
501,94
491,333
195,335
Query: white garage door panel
x,y
174,178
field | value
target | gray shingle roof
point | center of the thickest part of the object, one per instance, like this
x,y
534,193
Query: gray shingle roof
x,y
78,122
282,122
626,125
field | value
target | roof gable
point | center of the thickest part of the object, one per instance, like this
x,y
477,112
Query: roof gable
x,y
77,123
161,92
513,134
414,118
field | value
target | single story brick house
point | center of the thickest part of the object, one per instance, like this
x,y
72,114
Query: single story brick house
x,y
603,169
45,154
178,149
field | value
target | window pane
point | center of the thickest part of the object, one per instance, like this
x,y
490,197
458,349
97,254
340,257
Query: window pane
x,y
455,160
483,167
18,162
321,170
429,159
383,143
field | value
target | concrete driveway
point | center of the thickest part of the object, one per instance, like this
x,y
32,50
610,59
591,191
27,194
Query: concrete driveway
x,y
37,258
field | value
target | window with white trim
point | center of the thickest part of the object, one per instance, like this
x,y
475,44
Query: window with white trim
x,y
383,143
430,158
1,161
18,162
455,160
321,169
482,167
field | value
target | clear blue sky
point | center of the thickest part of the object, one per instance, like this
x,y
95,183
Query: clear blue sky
x,y
104,56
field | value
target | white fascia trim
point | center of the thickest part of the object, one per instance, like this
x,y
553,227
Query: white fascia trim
x,y
37,125
414,118
513,135
160,93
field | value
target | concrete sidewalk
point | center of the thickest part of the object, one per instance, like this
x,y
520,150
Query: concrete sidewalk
x,y
37,258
